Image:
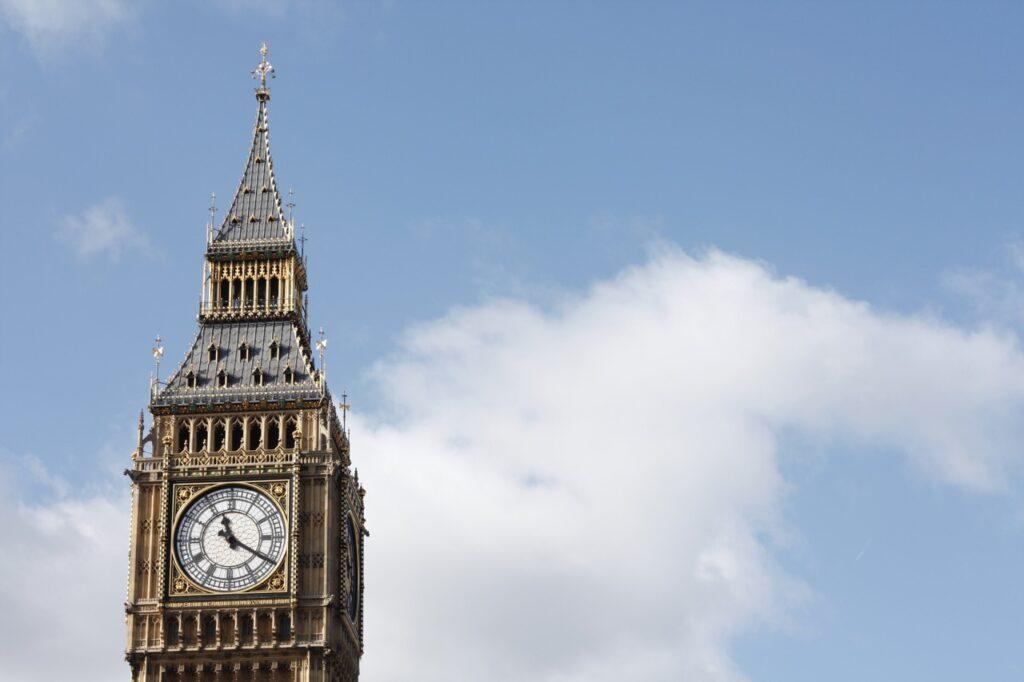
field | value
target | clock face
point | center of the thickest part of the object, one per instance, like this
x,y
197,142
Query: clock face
x,y
230,539
353,571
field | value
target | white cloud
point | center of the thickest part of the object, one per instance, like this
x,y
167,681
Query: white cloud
x,y
102,230
588,491
62,582
584,492
52,26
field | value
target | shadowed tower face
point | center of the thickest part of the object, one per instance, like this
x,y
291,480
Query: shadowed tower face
x,y
247,520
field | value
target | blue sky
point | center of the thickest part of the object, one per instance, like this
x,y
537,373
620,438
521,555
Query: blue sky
x,y
450,157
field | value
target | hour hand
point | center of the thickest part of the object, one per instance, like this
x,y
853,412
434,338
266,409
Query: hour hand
x,y
226,531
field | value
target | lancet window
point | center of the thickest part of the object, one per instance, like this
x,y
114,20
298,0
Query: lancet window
x,y
184,436
201,437
290,427
219,435
236,435
255,434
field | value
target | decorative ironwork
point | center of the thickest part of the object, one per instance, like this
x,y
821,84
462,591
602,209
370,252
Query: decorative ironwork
x,y
264,68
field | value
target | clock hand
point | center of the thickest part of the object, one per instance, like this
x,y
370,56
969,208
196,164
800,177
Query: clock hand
x,y
241,544
226,533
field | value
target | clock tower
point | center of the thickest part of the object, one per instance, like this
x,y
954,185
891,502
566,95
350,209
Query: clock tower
x,y
247,521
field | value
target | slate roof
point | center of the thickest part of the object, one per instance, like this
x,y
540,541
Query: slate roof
x,y
227,339
255,214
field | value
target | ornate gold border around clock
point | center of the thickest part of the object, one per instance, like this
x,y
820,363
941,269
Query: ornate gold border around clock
x,y
180,585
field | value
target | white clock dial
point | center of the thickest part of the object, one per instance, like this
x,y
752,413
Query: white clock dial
x,y
230,539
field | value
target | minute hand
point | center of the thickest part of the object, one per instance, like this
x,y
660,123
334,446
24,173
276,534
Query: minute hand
x,y
256,552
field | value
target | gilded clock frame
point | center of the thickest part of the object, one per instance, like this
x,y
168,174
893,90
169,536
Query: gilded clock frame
x,y
180,585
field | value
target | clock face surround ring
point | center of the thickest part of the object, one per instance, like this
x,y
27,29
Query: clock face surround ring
x,y
230,538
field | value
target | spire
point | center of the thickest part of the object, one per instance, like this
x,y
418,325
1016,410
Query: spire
x,y
256,215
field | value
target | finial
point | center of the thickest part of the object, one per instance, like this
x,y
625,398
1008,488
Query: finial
x,y
302,240
321,345
213,217
138,445
344,407
261,71
158,352
291,203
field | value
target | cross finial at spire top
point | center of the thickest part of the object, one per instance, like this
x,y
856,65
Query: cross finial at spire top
x,y
262,70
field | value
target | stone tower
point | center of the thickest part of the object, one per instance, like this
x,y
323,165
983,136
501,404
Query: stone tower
x,y
247,521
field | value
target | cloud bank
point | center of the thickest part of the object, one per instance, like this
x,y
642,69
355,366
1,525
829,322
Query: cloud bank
x,y
590,490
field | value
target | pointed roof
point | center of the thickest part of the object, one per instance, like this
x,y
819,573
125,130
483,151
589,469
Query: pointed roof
x,y
277,349
256,214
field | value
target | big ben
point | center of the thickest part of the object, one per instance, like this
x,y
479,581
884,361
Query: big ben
x,y
247,522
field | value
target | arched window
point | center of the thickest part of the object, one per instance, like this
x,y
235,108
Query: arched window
x,y
284,627
289,375
201,437
236,435
211,352
190,630
255,434
245,628
275,350
275,289
273,439
219,436
184,435
171,631
190,379
222,379
289,433
250,292
244,351
224,288
227,630
266,624
236,300
257,377
209,631
261,292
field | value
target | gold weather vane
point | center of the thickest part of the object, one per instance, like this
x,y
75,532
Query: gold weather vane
x,y
264,67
